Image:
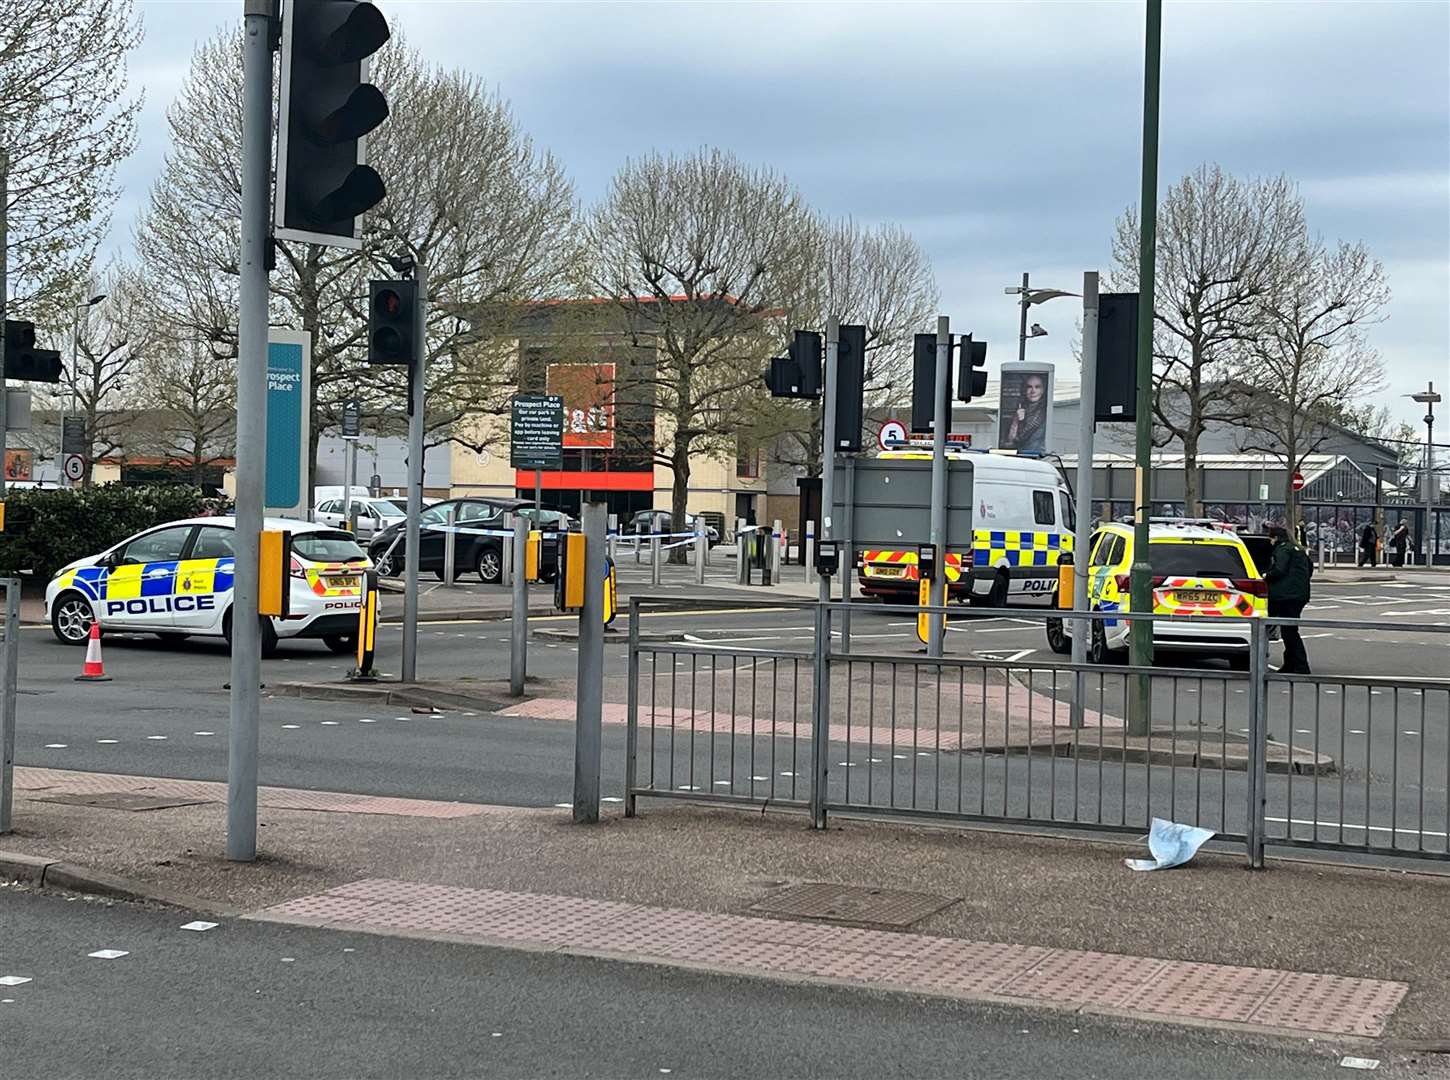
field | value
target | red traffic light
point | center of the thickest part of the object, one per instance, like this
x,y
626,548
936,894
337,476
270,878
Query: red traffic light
x,y
388,302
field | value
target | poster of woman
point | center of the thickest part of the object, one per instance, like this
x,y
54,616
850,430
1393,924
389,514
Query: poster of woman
x,y
1024,418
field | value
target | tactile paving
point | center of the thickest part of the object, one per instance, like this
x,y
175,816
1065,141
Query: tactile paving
x,y
1141,986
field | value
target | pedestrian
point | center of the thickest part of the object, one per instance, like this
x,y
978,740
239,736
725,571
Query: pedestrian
x,y
1288,579
1399,541
1302,535
1368,542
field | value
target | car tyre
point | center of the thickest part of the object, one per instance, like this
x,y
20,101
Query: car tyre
x,y
389,565
1057,639
269,634
71,618
489,565
342,644
1098,651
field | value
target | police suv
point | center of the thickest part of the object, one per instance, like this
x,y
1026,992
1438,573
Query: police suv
x,y
176,580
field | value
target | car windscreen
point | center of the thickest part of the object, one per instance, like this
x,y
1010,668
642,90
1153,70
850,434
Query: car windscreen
x,y
1188,558
327,547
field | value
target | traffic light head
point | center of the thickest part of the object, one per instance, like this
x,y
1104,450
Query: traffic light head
x,y
923,382
805,352
783,378
23,361
391,309
327,108
971,378
850,387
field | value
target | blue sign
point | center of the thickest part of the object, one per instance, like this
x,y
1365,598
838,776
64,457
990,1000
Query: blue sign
x,y
287,380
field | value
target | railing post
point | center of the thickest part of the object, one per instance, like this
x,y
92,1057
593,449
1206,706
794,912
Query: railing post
x,y
7,706
631,727
820,716
450,541
654,560
1258,741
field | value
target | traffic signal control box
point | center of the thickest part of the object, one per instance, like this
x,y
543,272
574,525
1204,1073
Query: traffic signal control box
x,y
569,582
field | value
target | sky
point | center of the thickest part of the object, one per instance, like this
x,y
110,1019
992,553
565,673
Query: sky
x,y
1005,137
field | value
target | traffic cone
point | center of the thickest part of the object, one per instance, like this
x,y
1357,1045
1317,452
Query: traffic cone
x,y
93,670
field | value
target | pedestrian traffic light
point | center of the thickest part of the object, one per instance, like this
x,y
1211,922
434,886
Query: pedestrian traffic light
x,y
327,107
391,309
850,387
971,378
23,361
923,382
805,353
783,378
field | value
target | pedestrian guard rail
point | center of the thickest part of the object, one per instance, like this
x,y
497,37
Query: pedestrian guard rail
x,y
846,724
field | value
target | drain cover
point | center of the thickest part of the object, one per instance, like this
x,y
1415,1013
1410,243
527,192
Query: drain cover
x,y
852,904
123,800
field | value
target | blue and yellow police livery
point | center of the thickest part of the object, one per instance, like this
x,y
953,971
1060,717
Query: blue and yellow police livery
x,y
176,580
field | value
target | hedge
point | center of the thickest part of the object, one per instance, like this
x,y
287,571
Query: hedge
x,y
45,528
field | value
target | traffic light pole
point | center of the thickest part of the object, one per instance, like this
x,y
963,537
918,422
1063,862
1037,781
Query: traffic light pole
x,y
1083,510
1140,586
828,444
4,296
246,669
417,372
941,421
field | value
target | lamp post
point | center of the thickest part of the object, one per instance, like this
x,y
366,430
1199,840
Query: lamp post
x,y
1428,398
1030,296
75,346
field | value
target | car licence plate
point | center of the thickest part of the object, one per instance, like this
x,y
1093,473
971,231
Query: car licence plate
x,y
888,571
1199,596
343,581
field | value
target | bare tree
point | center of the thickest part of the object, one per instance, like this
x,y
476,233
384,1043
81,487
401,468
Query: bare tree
x,y
467,192
1220,242
699,257
66,122
98,381
1310,355
879,278
191,392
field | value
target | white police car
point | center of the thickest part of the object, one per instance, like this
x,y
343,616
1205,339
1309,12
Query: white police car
x,y
176,580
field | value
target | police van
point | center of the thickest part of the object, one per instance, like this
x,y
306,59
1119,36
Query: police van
x,y
176,580
1022,520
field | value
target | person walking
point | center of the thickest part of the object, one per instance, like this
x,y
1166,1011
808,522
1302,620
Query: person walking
x,y
1288,579
1399,542
1368,541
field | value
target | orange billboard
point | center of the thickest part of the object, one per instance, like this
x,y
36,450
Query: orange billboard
x,y
18,464
588,393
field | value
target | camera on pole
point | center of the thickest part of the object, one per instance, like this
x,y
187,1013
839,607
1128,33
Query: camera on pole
x,y
327,107
391,310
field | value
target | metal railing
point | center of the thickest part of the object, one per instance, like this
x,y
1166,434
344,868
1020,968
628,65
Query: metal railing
x,y
1357,763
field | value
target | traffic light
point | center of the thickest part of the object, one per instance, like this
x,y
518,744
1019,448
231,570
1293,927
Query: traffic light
x,y
391,308
805,353
972,382
23,361
1116,397
850,387
783,378
923,381
326,109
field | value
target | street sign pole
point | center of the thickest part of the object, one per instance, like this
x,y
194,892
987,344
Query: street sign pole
x,y
828,443
246,665
1082,534
519,618
416,378
351,420
941,422
589,703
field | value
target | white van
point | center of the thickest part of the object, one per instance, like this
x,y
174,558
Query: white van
x,y
1022,520
337,491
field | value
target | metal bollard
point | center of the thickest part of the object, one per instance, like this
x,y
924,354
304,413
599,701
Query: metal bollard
x,y
810,552
702,548
742,562
654,560
506,559
775,546
612,539
449,547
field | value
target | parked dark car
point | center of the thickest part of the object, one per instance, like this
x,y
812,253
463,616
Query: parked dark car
x,y
660,521
473,552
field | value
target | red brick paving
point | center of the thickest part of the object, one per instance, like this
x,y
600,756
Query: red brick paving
x,y
1021,974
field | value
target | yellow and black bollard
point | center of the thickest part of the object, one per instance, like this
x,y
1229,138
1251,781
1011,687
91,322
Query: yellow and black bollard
x,y
367,630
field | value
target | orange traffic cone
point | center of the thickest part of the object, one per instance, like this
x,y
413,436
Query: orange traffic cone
x,y
93,670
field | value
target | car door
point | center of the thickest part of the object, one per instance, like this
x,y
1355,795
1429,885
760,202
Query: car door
x,y
472,516
329,512
139,587
204,580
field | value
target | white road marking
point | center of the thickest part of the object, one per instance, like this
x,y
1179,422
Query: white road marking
x,y
290,727
14,980
55,746
203,732
611,798
199,925
108,954
1356,731
156,738
1416,733
328,723
1347,825
105,741
722,783
564,805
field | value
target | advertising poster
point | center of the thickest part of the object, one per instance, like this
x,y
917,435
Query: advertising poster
x,y
588,394
289,376
1024,416
19,464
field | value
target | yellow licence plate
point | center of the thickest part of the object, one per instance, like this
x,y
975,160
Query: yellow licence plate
x,y
888,571
1199,596
343,581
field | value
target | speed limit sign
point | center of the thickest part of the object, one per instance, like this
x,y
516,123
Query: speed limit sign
x,y
74,466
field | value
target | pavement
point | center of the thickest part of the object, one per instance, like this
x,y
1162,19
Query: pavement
x,y
260,1000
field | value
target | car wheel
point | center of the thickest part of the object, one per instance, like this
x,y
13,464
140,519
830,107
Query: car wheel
x,y
388,565
269,634
1098,651
342,644
71,618
1057,639
490,565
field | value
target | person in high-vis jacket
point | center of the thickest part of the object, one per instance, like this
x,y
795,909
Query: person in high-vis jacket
x,y
1288,578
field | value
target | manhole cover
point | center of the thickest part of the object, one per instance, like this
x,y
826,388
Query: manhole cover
x,y
122,800
852,904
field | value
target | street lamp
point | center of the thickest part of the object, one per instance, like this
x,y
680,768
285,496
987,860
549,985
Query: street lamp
x,y
1428,398
75,338
1030,296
